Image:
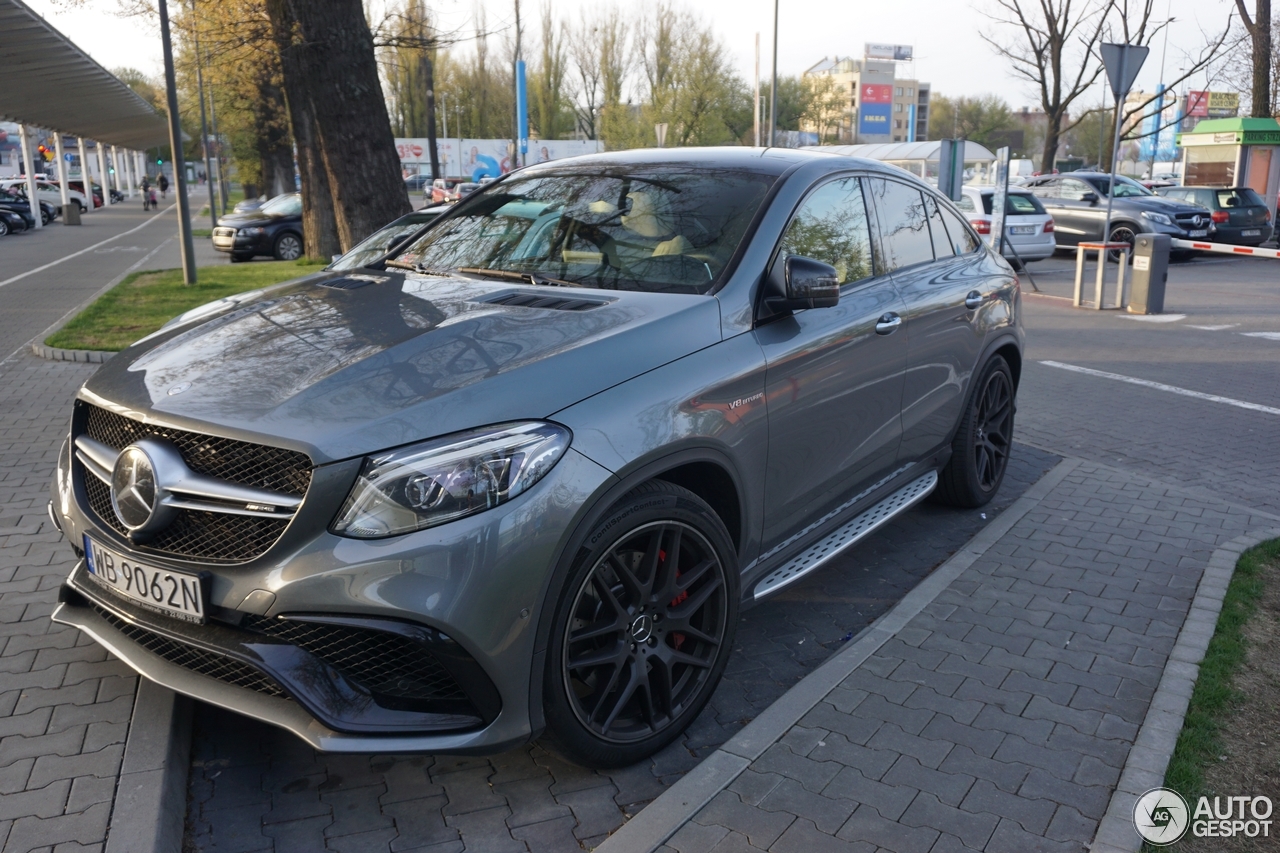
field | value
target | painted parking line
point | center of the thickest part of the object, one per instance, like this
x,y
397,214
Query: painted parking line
x,y
1160,386
1271,336
1217,328
87,248
1155,318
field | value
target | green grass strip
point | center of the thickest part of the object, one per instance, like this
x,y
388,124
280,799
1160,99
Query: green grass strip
x,y
1199,744
145,301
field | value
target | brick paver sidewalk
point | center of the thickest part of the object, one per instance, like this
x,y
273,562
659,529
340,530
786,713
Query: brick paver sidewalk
x,y
64,707
1000,717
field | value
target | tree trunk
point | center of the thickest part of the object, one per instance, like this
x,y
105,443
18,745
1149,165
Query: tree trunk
x,y
275,146
1052,133
1261,33
351,121
319,226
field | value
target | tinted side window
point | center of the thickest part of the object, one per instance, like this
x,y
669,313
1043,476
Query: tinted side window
x,y
1076,190
1046,189
1021,204
963,240
831,226
966,203
941,242
904,224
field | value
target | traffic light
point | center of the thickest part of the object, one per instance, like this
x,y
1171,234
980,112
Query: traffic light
x,y
45,152
159,162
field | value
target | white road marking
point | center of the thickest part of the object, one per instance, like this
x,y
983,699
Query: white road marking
x,y
1271,336
1155,318
1217,328
1160,386
87,249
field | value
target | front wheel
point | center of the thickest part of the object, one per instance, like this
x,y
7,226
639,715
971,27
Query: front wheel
x,y
643,630
1121,234
288,247
4,228
980,450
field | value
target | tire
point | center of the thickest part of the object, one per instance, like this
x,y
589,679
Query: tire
x,y
82,207
239,259
4,228
1121,233
980,450
288,247
621,681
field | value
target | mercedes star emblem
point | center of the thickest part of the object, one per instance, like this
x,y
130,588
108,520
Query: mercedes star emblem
x,y
137,493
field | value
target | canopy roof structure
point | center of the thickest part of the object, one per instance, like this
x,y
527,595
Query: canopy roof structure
x,y
49,82
893,151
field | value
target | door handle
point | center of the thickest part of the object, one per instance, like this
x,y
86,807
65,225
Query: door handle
x,y
888,323
973,300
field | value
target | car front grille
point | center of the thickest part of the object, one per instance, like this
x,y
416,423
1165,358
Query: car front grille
x,y
199,535
226,669
1190,221
388,665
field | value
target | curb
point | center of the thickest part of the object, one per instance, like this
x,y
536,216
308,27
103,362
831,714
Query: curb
x,y
151,796
85,356
659,820
1149,758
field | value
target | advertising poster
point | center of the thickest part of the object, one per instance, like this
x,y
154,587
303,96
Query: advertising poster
x,y
873,119
877,93
477,158
1197,104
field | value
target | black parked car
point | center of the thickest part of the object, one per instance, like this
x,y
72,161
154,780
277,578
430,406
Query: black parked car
x,y
1240,216
1078,203
19,205
11,223
274,229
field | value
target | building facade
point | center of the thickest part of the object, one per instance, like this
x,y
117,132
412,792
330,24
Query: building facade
x,y
877,106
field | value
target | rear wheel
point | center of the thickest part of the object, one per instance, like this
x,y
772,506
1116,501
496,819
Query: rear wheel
x,y
1121,233
643,630
980,450
4,228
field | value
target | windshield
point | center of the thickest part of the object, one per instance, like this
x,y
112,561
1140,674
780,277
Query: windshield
x,y
662,228
376,244
1125,187
283,205
1015,204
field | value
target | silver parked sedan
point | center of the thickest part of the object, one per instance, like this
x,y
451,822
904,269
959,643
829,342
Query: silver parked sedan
x,y
519,478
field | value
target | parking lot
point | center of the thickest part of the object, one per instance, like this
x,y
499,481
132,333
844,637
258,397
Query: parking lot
x,y
1181,408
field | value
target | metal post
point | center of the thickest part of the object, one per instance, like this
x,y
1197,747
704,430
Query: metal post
x,y
1115,150
29,167
85,180
175,146
102,173
63,190
204,127
223,189
755,103
773,86
115,168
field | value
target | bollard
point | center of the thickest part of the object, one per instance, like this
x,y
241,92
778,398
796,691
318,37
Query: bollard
x,y
71,214
1150,272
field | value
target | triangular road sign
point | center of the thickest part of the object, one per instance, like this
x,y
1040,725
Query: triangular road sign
x,y
1123,62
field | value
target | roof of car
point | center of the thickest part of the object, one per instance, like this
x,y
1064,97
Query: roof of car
x,y
769,161
989,190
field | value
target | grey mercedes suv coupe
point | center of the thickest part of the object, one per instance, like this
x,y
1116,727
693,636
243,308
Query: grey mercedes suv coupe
x,y
518,479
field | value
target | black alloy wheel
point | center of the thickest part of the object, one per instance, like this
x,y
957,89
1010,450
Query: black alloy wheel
x,y
288,247
1121,234
4,228
983,442
645,636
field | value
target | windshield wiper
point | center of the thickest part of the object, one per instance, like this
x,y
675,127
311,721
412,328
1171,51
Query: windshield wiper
x,y
531,278
418,268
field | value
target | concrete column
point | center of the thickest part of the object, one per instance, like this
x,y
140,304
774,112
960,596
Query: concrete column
x,y
128,173
102,174
28,166
115,162
85,180
63,189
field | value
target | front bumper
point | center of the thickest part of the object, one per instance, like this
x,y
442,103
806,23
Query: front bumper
x,y
474,586
238,244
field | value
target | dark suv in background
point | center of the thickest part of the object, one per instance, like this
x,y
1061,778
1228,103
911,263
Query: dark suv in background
x,y
521,475
1078,203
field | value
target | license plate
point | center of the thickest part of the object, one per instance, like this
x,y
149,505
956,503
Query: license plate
x,y
1022,229
1252,232
1200,233
176,594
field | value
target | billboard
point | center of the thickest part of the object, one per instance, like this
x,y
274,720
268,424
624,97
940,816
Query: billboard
x,y
897,52
876,93
478,158
1197,104
1223,104
873,119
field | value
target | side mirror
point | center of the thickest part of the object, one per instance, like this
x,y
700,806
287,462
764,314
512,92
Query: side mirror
x,y
797,283
335,258
398,242
1089,198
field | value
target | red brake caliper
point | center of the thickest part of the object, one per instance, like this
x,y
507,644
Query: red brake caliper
x,y
677,638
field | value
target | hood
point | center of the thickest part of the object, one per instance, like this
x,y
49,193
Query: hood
x,y
247,219
341,366
1161,204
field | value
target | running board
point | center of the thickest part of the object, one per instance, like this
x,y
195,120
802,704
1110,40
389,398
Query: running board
x,y
842,537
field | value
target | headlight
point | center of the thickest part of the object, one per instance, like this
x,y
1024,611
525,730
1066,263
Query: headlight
x,y
448,478
250,232
1156,217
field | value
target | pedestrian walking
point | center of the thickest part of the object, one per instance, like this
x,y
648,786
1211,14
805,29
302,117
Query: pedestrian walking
x,y
164,185
146,192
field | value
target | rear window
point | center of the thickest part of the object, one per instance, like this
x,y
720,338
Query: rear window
x,y
1015,204
1239,198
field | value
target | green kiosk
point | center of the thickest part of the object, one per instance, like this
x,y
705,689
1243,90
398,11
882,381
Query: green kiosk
x,y
1234,152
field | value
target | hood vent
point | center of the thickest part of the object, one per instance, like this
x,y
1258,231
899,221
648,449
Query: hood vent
x,y
523,299
351,282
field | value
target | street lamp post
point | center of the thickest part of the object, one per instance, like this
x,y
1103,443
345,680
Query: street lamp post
x,y
175,146
773,86
204,127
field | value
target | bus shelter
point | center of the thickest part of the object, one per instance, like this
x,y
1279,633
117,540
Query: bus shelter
x,y
1234,152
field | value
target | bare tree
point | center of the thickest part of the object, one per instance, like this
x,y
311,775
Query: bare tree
x,y
1056,50
1260,33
